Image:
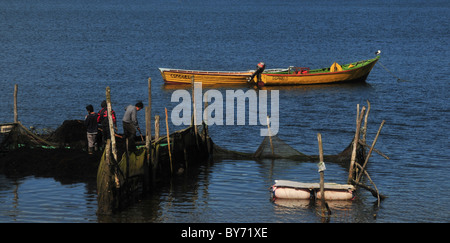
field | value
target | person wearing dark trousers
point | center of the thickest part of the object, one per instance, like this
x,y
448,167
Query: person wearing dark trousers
x,y
130,124
90,121
259,69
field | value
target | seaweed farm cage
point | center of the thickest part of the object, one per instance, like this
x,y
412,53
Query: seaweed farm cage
x,y
71,134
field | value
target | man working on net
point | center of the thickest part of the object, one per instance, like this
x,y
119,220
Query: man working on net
x,y
130,124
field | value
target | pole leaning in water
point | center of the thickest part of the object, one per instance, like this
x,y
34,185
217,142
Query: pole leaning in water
x,y
355,144
110,123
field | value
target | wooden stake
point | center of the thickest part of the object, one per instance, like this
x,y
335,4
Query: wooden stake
x,y
355,145
370,152
110,121
195,121
157,127
319,139
365,122
148,120
374,149
375,191
321,172
155,151
113,137
16,88
148,130
194,106
270,135
205,127
322,183
148,136
168,141
357,113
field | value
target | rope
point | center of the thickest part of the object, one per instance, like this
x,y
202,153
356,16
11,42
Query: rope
x,y
398,79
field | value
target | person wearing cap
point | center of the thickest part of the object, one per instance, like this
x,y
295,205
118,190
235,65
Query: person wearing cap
x,y
259,69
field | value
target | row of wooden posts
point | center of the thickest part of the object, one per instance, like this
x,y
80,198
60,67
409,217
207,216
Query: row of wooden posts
x,y
148,135
356,171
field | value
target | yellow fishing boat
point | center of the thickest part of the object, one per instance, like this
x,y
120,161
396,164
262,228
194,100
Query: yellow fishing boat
x,y
182,76
352,72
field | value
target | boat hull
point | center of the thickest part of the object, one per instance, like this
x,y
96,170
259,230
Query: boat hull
x,y
356,74
179,76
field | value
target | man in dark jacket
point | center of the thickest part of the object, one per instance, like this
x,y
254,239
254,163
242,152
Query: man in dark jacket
x,y
90,121
102,119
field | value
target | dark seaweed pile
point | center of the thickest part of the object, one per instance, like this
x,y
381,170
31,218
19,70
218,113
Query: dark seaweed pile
x,y
58,163
68,160
72,133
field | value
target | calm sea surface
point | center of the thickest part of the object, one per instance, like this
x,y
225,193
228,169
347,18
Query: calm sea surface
x,y
63,54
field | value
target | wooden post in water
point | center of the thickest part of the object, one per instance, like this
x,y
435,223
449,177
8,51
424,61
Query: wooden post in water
x,y
148,118
112,133
357,113
370,152
110,121
270,135
168,141
194,117
194,106
148,134
355,145
155,153
365,122
157,127
16,88
322,168
205,127
148,142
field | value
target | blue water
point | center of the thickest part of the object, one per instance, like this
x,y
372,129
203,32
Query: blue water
x,y
63,54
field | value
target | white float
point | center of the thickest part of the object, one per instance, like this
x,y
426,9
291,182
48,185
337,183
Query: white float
x,y
298,190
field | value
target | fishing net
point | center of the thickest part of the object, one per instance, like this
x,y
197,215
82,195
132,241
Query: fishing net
x,y
71,134
45,152
275,148
15,135
118,183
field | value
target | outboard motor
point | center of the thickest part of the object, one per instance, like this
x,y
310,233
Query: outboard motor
x,y
259,69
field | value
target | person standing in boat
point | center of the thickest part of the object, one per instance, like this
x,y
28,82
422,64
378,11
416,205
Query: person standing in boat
x,y
259,69
90,121
102,120
130,124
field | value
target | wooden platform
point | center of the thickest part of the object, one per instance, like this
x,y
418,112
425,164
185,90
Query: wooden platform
x,y
311,186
